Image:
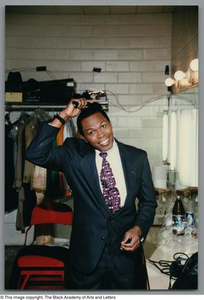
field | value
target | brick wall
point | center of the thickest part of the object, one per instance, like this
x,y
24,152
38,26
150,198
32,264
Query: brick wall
x,y
184,40
132,51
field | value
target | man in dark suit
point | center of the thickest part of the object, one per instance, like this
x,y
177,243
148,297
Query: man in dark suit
x,y
107,231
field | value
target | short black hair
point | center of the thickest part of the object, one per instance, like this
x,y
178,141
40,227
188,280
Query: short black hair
x,y
90,109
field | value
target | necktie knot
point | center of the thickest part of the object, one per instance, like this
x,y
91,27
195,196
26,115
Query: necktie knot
x,y
103,154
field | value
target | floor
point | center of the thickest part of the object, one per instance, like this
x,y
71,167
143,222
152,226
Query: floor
x,y
11,252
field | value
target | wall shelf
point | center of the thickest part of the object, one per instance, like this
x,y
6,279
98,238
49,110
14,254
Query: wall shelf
x,y
11,106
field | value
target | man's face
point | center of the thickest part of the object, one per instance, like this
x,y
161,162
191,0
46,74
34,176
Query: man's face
x,y
98,132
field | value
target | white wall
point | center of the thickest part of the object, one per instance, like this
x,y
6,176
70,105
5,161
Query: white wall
x,y
132,51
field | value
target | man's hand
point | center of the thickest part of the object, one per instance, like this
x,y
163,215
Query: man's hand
x,y
131,240
71,111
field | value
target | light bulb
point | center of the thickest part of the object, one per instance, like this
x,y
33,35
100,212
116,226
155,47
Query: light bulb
x,y
179,75
194,65
169,82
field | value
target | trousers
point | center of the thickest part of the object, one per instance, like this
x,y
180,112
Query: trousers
x,y
105,276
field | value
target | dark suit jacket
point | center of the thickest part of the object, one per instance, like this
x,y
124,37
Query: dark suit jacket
x,y
93,226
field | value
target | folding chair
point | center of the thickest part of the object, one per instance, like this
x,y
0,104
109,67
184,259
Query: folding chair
x,y
43,267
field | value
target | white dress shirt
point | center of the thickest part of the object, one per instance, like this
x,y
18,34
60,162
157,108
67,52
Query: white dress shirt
x,y
114,160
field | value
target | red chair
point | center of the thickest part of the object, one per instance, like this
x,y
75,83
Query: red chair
x,y
44,267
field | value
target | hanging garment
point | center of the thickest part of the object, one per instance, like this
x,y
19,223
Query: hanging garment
x,y
38,183
28,166
22,180
34,175
68,131
18,180
14,134
11,195
19,161
60,142
19,217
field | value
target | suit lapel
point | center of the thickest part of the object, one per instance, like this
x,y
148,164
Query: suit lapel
x,y
88,167
128,169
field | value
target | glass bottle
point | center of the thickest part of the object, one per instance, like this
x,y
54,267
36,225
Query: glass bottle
x,y
179,217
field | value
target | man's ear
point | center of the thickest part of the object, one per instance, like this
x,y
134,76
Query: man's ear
x,y
79,136
83,138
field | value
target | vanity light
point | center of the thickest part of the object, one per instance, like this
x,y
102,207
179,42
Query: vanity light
x,y
188,147
173,140
194,65
189,79
169,82
180,144
179,75
170,138
165,135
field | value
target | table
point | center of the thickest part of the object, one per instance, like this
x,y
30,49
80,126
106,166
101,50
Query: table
x,y
165,251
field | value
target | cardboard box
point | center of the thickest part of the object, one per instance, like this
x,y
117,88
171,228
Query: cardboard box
x,y
14,97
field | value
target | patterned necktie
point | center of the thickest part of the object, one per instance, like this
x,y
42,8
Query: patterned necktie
x,y
110,191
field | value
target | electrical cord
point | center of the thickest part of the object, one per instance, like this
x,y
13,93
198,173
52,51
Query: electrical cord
x,y
160,97
49,73
165,264
171,268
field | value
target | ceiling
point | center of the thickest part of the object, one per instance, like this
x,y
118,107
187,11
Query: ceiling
x,y
88,10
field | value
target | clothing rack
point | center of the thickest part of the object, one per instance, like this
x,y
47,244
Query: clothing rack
x,y
31,107
27,184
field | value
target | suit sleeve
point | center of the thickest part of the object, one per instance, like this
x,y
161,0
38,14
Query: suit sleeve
x,y
147,200
41,151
